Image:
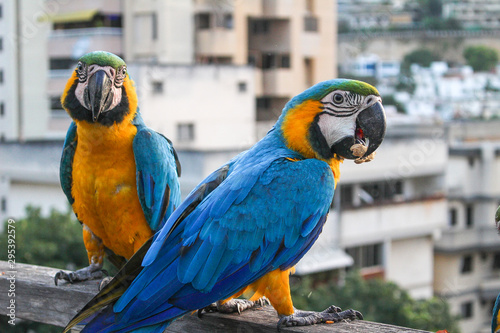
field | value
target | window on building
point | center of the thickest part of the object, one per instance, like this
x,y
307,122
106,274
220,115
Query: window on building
x,y
1,44
224,20
252,60
466,310
1,75
62,63
202,21
309,71
272,60
154,26
55,103
467,265
2,109
496,261
263,103
1,11
469,216
157,87
381,191
452,217
185,132
56,108
471,161
259,27
268,60
310,23
285,61
3,205
366,255
242,86
228,21
346,196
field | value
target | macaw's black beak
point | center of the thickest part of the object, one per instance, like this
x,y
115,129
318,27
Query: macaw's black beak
x,y
370,131
99,93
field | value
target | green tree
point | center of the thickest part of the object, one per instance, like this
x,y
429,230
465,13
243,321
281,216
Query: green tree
x,y
54,241
481,58
422,57
378,300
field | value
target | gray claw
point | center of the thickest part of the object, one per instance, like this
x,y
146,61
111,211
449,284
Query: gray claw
x,y
233,305
331,314
208,309
93,271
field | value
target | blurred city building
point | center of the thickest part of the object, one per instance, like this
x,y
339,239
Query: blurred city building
x,y
387,213
372,14
453,93
474,13
467,255
24,112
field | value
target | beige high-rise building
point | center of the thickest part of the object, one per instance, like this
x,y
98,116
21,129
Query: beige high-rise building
x,y
23,69
290,42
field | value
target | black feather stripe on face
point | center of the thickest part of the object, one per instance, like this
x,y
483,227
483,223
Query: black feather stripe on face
x,y
318,141
78,112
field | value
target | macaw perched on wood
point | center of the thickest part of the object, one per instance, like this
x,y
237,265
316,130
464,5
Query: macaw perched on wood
x,y
248,223
495,320
120,177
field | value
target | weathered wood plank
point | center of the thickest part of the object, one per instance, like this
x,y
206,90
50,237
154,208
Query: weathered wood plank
x,y
38,299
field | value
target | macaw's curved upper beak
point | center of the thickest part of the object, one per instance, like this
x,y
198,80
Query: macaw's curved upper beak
x,y
370,132
99,93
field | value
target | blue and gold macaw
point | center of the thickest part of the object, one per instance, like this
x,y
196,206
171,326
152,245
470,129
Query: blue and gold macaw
x,y
495,320
120,177
248,223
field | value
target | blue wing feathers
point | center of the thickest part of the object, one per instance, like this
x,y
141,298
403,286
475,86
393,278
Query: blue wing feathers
x,y
156,171
496,310
245,220
66,166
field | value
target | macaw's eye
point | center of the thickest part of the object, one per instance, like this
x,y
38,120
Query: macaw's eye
x,y
338,98
81,72
124,70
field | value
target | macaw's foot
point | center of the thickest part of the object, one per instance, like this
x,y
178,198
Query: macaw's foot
x,y
93,271
233,305
331,315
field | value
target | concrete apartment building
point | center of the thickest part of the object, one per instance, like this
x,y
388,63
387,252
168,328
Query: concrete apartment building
x,y
473,13
170,54
23,67
290,43
467,255
387,213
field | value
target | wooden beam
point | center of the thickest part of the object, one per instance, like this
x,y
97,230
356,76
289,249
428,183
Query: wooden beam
x,y
38,299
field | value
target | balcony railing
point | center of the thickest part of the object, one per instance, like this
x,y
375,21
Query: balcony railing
x,y
468,239
61,73
86,32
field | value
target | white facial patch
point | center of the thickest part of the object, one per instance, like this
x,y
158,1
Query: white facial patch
x,y
111,73
341,108
335,129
